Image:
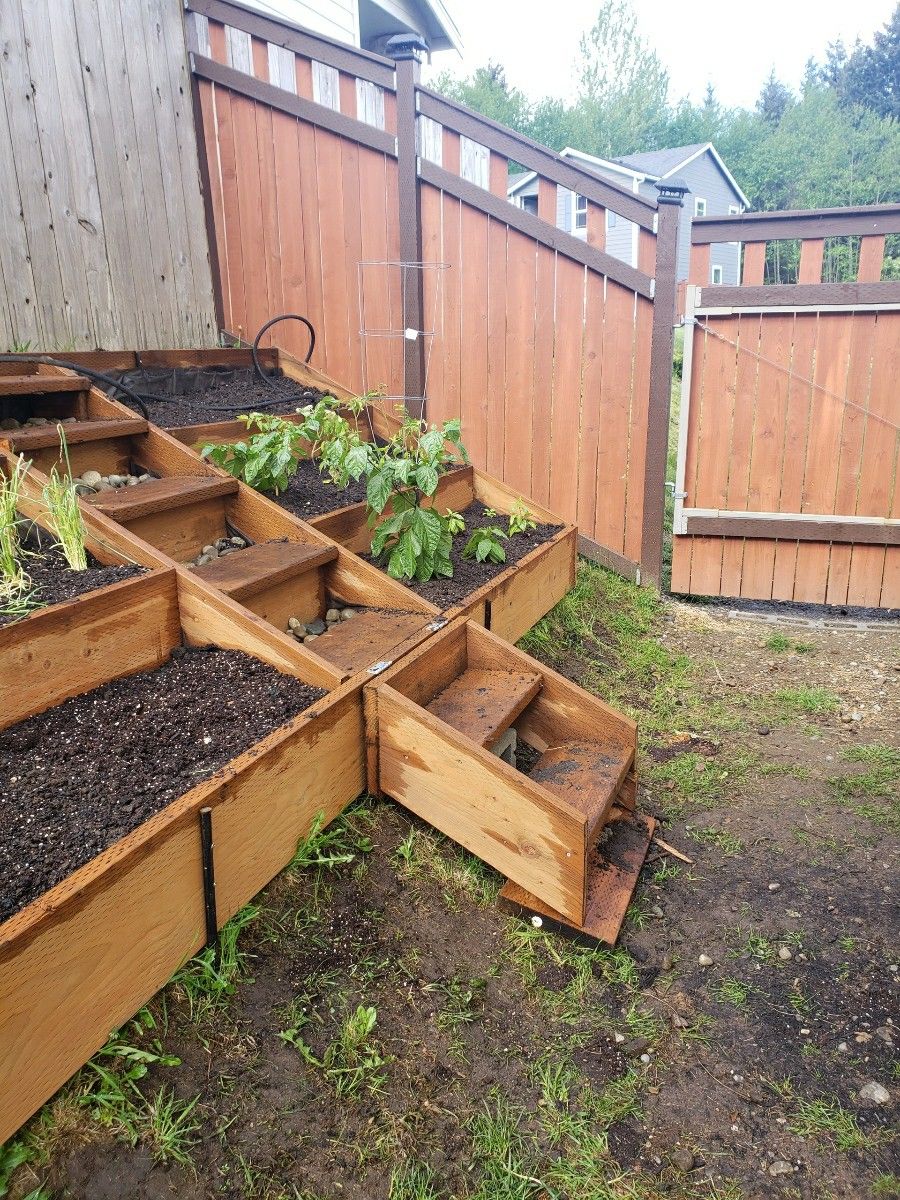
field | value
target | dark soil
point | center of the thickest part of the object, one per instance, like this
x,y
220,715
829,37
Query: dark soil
x,y
311,494
211,394
54,580
79,777
469,575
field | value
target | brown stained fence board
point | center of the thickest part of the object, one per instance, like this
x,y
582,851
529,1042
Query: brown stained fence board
x,y
351,60
535,157
818,223
783,528
801,295
306,110
525,222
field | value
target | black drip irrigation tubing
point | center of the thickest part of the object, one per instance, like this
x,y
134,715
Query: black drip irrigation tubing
x,y
139,397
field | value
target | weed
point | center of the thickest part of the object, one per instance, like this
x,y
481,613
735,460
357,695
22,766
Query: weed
x,y
462,1001
206,986
881,779
456,522
779,643
728,843
330,847
351,1060
733,991
829,1120
413,1181
805,701
499,1148
12,1156
428,855
886,1187
63,514
109,1090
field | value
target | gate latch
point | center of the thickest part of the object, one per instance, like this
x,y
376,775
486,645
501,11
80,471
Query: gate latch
x,y
675,495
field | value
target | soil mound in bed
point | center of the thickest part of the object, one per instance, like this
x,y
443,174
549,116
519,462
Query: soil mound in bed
x,y
206,395
54,581
79,777
311,494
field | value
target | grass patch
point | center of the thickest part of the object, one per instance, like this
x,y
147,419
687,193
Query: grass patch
x,y
805,701
781,644
829,1120
207,986
728,843
732,991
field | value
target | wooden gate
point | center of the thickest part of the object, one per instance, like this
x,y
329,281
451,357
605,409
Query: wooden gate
x,y
787,477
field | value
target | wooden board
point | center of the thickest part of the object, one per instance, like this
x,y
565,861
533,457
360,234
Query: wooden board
x,y
478,800
371,636
24,441
98,945
482,704
41,385
128,504
243,573
70,648
610,884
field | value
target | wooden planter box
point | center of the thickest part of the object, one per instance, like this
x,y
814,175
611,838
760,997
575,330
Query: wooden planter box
x,y
170,519
432,722
219,431
80,960
517,597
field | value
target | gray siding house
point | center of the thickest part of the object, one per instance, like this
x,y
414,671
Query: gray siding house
x,y
367,23
713,191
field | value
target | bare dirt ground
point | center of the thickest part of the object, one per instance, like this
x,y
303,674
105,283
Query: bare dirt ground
x,y
382,1030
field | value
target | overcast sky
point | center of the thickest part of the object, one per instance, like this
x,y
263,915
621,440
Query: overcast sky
x,y
537,42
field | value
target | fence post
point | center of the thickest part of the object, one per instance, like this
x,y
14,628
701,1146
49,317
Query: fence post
x,y
406,49
671,200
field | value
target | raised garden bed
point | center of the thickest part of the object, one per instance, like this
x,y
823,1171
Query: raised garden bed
x,y
563,830
81,958
508,597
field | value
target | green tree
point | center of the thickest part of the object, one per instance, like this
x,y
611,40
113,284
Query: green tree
x,y
870,76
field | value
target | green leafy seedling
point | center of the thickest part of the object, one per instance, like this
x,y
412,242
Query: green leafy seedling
x,y
486,545
520,519
455,522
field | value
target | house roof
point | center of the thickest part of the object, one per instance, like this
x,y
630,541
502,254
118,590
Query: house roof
x,y
650,165
660,164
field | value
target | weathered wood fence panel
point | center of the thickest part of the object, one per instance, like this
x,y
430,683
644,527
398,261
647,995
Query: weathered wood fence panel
x,y
102,231
539,341
790,431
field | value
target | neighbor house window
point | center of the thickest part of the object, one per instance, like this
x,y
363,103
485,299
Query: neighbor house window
x,y
580,212
699,206
610,219
716,273
530,204
733,210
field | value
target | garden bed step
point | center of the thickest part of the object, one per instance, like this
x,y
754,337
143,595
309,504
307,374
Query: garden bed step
x,y
25,440
369,637
249,571
612,875
587,775
483,704
159,495
42,385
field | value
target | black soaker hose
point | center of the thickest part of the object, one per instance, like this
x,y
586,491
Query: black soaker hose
x,y
268,325
49,360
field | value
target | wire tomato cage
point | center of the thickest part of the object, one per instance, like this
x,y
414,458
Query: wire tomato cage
x,y
384,286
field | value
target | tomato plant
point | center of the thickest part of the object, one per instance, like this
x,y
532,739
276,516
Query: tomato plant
x,y
404,475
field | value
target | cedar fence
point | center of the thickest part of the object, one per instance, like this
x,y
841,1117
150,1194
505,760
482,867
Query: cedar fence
x,y
555,355
787,482
102,233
